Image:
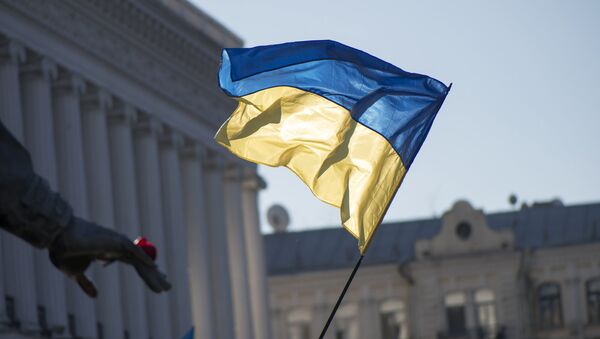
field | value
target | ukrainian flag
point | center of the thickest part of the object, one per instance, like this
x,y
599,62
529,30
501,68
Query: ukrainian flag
x,y
347,123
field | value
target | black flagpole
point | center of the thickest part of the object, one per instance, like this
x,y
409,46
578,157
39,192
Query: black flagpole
x,y
339,301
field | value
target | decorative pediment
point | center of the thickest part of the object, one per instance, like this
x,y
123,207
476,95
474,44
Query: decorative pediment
x,y
464,230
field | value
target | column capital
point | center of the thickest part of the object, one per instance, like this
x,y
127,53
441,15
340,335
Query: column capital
x,y
12,51
41,66
171,138
97,100
193,149
233,171
214,161
252,181
148,125
68,82
122,113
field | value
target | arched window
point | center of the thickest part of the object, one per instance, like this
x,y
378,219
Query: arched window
x,y
593,300
299,323
549,306
393,320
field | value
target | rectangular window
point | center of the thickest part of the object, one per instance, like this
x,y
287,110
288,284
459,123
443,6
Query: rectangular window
x,y
457,322
390,327
593,301
486,313
455,313
549,306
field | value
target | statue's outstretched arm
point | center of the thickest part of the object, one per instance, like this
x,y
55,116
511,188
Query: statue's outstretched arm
x,y
30,210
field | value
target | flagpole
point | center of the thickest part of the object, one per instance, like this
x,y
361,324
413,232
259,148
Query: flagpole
x,y
339,301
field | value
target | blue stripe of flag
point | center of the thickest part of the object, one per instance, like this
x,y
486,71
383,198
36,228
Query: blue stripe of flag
x,y
399,105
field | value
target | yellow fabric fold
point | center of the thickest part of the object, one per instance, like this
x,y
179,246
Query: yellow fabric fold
x,y
343,162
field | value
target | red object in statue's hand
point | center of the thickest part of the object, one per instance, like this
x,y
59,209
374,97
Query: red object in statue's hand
x,y
146,246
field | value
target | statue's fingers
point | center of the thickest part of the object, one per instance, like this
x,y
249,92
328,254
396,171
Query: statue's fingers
x,y
86,285
155,280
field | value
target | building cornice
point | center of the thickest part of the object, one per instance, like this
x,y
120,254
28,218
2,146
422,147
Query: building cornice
x,y
145,40
198,19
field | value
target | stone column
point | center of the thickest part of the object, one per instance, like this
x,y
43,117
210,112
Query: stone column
x,y
175,233
151,216
71,181
36,77
197,242
127,220
218,245
237,252
17,256
255,254
99,181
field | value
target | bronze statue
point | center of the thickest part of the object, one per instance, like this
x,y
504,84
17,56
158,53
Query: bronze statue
x,y
30,210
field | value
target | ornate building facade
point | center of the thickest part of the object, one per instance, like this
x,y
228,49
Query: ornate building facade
x,y
117,102
532,273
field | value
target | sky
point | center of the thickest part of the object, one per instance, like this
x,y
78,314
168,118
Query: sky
x,y
522,116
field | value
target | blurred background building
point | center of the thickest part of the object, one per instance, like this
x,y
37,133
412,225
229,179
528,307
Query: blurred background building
x,y
116,101
529,273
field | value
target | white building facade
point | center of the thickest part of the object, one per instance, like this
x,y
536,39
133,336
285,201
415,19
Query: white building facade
x,y
117,102
532,273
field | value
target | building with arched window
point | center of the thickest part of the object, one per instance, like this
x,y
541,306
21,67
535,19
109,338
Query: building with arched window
x,y
531,273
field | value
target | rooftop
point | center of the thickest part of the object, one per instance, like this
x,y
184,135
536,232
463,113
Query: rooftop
x,y
538,226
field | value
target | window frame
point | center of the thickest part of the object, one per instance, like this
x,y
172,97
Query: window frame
x,y
556,305
589,302
392,318
451,309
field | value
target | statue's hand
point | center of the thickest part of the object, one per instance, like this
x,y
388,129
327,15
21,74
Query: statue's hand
x,y
81,242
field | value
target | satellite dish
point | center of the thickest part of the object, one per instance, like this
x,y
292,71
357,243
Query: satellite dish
x,y
512,199
278,218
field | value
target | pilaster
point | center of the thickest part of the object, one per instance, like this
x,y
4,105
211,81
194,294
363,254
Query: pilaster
x,y
320,312
368,315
